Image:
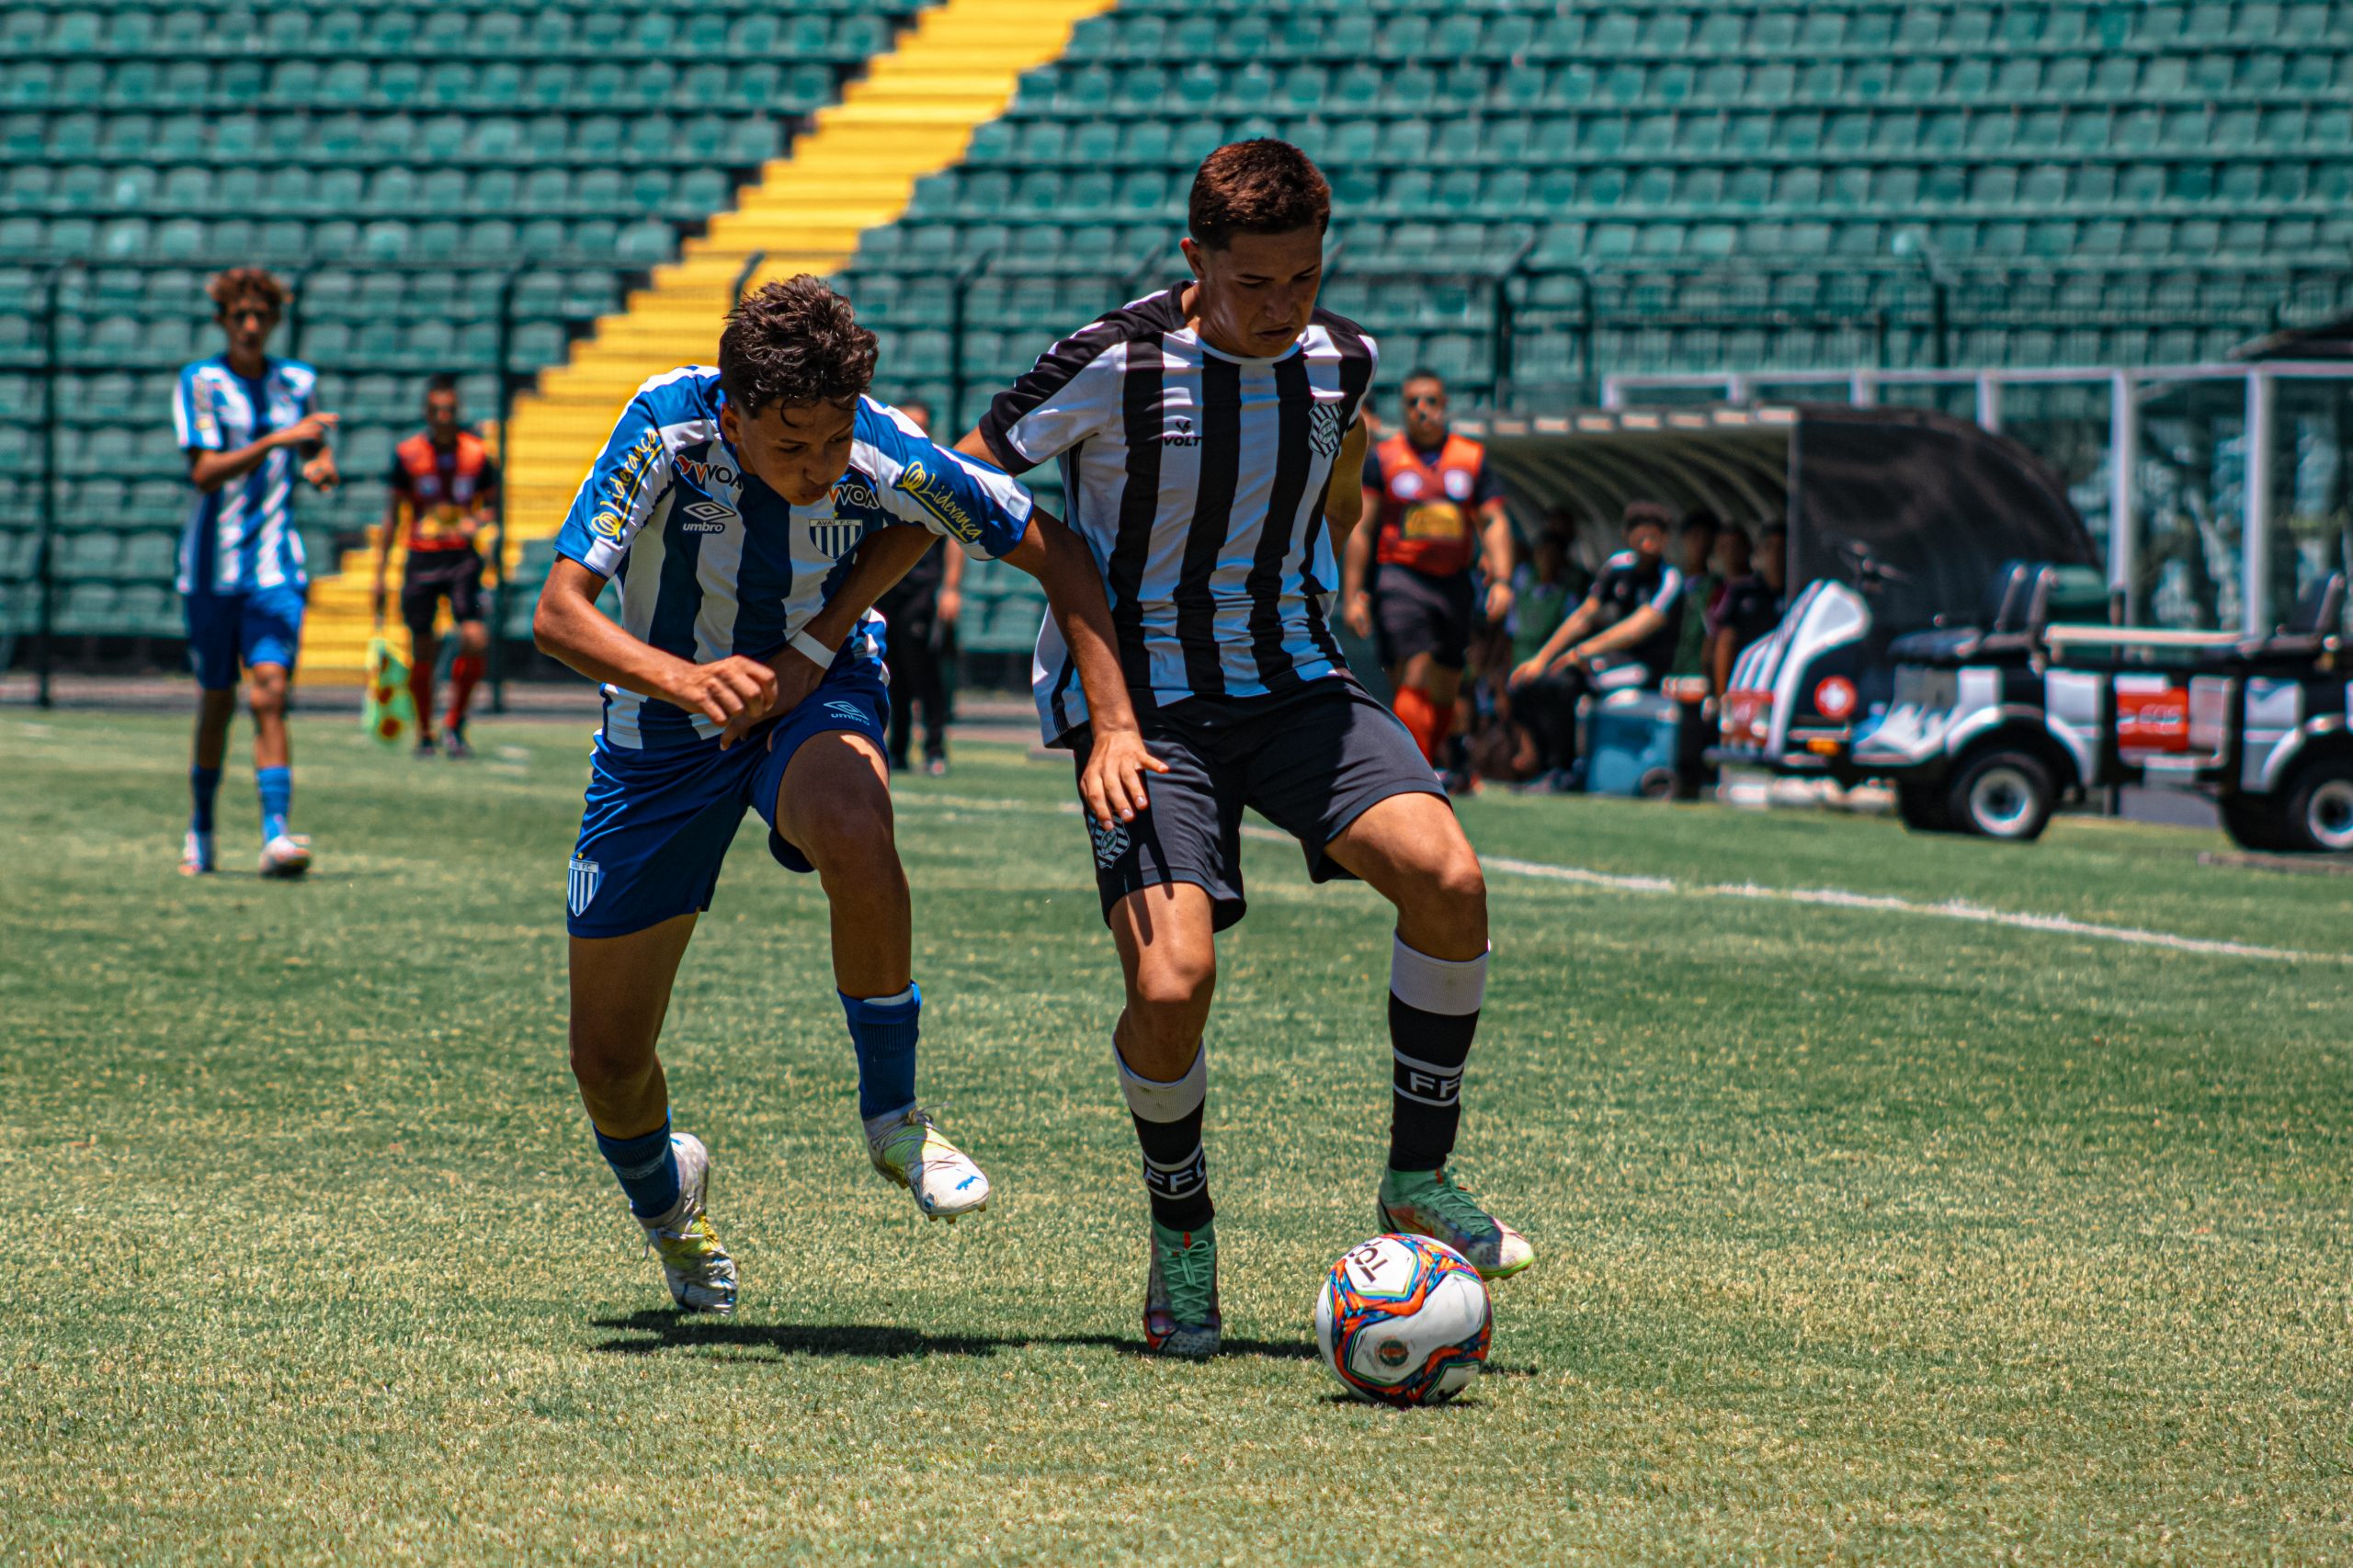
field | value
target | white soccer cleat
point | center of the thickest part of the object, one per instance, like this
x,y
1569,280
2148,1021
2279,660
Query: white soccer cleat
x,y
700,1274
195,854
913,1153
287,856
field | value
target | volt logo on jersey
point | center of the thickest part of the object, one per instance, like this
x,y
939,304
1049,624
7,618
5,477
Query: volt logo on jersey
x,y
849,713
586,875
1180,433
708,518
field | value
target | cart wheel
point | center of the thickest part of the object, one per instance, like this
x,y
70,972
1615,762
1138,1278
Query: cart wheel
x,y
1922,806
2319,807
2002,794
1658,784
2255,822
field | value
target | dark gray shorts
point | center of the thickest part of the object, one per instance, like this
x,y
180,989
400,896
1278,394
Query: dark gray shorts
x,y
1310,761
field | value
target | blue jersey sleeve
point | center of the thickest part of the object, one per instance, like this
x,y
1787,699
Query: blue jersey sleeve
x,y
193,419
983,508
624,485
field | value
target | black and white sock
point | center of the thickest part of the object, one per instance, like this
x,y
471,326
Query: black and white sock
x,y
1168,1125
1433,1012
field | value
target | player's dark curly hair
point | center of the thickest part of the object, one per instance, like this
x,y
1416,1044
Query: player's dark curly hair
x,y
1259,187
239,284
793,343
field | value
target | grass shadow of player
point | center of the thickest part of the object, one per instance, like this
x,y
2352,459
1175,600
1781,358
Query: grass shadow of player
x,y
647,1332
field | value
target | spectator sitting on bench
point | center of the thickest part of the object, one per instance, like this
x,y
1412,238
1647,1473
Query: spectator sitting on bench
x,y
1751,605
1620,638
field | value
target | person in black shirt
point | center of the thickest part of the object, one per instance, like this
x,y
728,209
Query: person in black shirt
x,y
1750,606
1622,636
922,609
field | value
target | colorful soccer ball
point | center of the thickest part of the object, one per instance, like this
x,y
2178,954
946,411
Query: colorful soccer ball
x,y
1404,1320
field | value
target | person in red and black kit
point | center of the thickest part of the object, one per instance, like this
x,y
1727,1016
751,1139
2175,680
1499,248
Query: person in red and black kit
x,y
1432,508
444,484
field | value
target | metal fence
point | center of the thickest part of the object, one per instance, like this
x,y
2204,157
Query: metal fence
x,y
51,360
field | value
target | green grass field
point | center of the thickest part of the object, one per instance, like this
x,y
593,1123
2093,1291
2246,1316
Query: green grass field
x,y
1865,1234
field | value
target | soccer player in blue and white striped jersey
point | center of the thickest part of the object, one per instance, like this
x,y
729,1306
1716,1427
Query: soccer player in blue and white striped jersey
x,y
752,514
249,427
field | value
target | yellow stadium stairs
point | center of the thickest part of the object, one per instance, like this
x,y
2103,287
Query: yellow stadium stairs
x,y
913,113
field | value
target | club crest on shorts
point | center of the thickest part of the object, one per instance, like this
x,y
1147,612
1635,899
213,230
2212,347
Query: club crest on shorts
x,y
586,875
1110,843
1323,429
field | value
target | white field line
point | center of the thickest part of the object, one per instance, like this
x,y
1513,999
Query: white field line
x,y
1835,898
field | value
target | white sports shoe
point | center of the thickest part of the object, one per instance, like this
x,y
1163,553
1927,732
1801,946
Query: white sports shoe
x,y
700,1274
286,856
195,854
913,1153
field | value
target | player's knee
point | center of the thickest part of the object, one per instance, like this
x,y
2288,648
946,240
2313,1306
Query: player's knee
x,y
1452,893
265,692
473,637
1176,982
851,834
601,1064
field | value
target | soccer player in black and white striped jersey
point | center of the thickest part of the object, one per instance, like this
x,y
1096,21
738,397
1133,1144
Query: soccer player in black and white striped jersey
x,y
1210,440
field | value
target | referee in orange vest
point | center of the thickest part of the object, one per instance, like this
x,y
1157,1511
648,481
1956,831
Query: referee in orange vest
x,y
1432,507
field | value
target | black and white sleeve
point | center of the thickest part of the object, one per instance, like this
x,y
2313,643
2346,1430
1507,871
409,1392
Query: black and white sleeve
x,y
1073,392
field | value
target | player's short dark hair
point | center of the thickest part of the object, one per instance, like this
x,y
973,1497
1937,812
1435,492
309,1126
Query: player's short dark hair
x,y
1422,373
1259,187
1702,522
792,344
1649,514
234,287
440,382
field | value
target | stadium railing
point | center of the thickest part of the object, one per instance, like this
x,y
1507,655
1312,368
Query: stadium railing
x,y
509,368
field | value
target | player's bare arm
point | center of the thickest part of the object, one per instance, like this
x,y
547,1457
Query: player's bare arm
x,y
390,527
1563,636
1112,784
210,470
1643,623
1346,503
882,558
567,626
1496,555
1356,564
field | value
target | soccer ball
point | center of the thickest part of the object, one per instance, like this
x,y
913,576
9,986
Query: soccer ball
x,y
1404,1320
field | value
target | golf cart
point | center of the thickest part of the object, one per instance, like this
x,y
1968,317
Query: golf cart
x,y
1991,727
1898,520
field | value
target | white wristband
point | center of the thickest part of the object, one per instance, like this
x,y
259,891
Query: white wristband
x,y
808,648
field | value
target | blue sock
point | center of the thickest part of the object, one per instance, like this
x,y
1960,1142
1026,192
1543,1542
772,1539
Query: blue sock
x,y
276,786
203,788
646,1169
883,1030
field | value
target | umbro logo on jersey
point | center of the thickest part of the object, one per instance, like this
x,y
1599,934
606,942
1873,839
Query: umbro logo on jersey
x,y
1180,433
847,711
1323,429
708,517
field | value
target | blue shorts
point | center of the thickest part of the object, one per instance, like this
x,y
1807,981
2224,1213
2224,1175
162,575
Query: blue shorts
x,y
226,630
658,822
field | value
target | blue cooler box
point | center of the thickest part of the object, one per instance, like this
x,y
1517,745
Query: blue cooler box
x,y
1632,744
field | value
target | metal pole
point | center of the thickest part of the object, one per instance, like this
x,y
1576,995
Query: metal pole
x,y
2255,595
1989,402
2123,523
45,542
1862,388
1939,324
500,596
